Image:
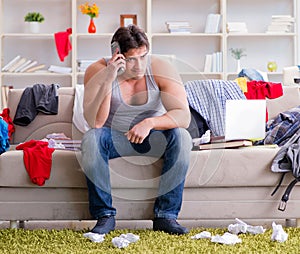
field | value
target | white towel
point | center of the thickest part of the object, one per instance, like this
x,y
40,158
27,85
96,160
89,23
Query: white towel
x,y
78,118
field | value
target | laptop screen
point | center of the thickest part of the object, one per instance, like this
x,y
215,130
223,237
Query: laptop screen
x,y
245,119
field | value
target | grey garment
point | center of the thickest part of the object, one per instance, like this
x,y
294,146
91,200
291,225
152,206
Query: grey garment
x,y
288,157
123,117
38,98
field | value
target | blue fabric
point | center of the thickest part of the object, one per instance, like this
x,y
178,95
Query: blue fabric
x,y
208,98
4,137
251,74
100,145
281,128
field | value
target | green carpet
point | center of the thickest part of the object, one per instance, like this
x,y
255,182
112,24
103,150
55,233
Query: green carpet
x,y
70,241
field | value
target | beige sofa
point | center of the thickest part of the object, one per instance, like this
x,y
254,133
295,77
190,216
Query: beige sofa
x,y
221,184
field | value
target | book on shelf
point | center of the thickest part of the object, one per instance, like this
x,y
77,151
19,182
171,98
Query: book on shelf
x,y
180,27
11,63
36,68
17,64
4,95
59,69
28,66
22,66
212,23
236,27
281,24
224,144
213,62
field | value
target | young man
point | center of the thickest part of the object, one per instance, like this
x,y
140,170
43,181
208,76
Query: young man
x,y
142,111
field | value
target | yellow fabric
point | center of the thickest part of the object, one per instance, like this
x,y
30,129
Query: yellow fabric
x,y
242,82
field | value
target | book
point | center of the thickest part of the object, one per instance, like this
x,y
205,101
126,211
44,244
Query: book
x,y
22,66
35,68
226,144
17,64
212,23
11,63
59,69
33,63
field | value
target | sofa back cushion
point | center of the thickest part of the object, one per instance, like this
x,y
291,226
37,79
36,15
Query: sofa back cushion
x,y
289,99
45,124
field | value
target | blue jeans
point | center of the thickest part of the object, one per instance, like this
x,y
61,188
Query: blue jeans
x,y
100,145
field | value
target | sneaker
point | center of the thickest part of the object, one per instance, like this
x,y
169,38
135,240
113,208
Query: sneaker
x,y
104,225
170,226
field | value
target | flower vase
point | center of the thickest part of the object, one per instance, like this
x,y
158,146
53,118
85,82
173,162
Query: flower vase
x,y
92,27
238,65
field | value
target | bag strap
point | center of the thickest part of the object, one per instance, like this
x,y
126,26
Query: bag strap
x,y
279,183
286,194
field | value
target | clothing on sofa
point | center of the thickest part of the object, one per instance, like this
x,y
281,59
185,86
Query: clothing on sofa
x,y
38,98
280,129
6,117
4,137
208,98
78,117
37,160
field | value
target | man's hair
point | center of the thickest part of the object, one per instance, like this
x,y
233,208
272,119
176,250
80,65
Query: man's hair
x,y
130,37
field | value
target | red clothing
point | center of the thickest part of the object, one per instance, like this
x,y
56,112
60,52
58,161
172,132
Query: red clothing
x,y
262,90
63,44
257,89
8,120
37,160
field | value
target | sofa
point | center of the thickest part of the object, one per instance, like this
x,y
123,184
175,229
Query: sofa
x,y
221,184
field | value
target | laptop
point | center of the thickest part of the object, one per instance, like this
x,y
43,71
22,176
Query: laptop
x,y
245,119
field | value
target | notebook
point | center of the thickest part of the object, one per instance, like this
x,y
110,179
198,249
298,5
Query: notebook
x,y
245,119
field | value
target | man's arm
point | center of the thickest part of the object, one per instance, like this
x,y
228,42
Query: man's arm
x,y
98,81
173,96
174,99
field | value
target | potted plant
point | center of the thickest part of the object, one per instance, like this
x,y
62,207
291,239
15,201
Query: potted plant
x,y
34,19
237,54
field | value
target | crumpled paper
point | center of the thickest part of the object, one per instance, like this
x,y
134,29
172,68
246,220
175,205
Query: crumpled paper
x,y
202,235
242,227
278,233
205,138
94,237
226,238
124,240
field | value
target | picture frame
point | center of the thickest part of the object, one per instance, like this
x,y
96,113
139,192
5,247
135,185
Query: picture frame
x,y
128,19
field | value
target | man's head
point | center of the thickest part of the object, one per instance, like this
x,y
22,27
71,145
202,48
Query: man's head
x,y
134,46
130,37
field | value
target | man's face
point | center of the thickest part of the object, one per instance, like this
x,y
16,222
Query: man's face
x,y
136,62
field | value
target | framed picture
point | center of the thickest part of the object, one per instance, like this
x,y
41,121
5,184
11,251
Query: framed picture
x,y
128,19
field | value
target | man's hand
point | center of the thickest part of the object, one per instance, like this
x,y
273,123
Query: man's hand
x,y
139,132
117,61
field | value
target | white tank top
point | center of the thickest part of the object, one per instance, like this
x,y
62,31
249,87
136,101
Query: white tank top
x,y
123,116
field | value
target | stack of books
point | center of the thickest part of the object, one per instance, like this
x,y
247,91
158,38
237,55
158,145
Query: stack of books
x,y
213,62
212,23
179,27
59,69
222,144
21,64
281,24
82,64
237,27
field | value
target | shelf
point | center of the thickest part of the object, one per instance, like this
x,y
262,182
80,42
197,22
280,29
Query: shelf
x,y
188,50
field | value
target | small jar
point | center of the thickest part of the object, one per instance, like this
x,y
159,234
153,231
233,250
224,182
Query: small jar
x,y
272,66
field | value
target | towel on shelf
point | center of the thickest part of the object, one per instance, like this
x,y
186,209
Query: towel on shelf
x,y
63,44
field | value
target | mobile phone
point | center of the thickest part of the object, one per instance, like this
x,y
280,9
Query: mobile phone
x,y
114,46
